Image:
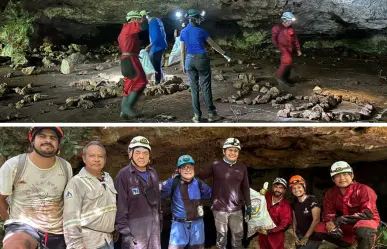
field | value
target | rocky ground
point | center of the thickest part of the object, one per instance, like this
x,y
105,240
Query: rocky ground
x,y
73,84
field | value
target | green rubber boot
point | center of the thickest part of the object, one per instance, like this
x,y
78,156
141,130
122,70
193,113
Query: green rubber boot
x,y
124,106
128,111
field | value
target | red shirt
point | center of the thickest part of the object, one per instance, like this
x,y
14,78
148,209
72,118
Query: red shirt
x,y
284,37
356,199
280,213
128,40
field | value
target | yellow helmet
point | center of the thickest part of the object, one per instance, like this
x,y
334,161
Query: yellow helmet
x,y
133,14
144,12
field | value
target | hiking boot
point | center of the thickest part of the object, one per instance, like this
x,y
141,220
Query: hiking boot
x,y
213,117
196,119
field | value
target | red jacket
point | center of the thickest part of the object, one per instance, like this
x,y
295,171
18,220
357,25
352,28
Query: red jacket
x,y
284,37
128,40
357,199
280,213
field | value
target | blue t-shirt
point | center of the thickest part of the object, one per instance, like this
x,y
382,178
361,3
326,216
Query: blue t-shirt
x,y
157,35
194,39
144,175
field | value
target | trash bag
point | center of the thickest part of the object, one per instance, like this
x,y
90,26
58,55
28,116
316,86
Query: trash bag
x,y
260,217
147,65
175,55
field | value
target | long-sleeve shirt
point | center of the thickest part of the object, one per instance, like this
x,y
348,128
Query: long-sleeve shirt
x,y
280,213
357,199
157,35
178,209
89,211
132,203
284,37
128,40
231,187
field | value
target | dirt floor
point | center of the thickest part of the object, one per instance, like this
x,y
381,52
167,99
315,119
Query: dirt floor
x,y
362,77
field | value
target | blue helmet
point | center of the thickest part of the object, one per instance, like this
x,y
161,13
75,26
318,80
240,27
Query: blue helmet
x,y
288,16
183,160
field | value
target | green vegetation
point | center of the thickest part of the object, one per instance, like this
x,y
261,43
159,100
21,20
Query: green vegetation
x,y
15,141
381,240
73,140
15,32
249,41
374,44
252,40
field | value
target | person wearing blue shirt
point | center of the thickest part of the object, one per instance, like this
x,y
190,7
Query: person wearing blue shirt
x,y
158,43
195,61
186,192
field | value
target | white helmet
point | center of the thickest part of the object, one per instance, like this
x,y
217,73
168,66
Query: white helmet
x,y
282,181
139,141
232,143
340,167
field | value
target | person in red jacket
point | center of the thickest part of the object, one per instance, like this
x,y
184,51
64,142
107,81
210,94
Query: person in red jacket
x,y
349,210
131,68
281,213
284,37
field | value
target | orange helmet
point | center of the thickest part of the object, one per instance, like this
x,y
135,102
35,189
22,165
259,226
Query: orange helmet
x,y
32,132
297,179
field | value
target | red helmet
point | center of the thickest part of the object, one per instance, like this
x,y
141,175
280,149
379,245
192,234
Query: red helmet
x,y
297,179
32,132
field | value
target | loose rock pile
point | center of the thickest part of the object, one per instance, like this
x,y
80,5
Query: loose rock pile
x,y
172,86
319,106
96,90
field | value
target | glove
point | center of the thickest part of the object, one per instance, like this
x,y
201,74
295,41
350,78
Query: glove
x,y
116,236
264,189
249,211
227,58
262,231
337,233
127,238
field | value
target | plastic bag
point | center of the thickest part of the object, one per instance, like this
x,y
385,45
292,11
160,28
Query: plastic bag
x,y
260,217
175,55
147,65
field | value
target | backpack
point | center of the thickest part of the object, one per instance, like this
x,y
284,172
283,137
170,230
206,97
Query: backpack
x,y
21,167
176,182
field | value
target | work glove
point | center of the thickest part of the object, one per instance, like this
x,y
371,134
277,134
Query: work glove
x,y
249,211
128,238
116,236
336,233
227,57
264,189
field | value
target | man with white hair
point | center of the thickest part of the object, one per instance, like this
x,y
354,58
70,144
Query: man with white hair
x,y
138,203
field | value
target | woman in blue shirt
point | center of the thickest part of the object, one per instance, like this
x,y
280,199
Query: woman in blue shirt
x,y
195,61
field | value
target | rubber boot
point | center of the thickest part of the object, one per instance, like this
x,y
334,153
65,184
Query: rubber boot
x,y
286,75
124,106
130,102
